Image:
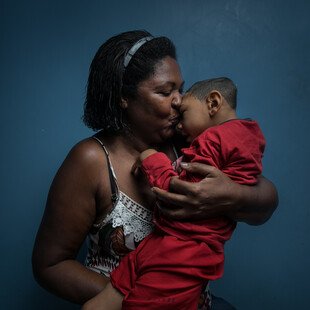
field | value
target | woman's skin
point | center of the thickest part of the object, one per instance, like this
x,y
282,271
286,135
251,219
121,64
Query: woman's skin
x,y
80,194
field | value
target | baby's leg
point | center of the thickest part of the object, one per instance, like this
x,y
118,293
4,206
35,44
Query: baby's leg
x,y
163,290
108,299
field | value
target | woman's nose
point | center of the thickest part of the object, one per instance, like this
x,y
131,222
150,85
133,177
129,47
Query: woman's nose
x,y
176,101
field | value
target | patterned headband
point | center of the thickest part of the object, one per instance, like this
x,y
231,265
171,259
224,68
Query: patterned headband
x,y
134,49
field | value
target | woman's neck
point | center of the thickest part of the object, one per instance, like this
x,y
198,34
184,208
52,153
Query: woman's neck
x,y
129,145
136,142
126,141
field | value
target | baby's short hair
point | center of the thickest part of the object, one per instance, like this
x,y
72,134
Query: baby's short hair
x,y
224,85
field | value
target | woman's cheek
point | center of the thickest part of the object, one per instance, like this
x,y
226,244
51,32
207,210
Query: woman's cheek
x,y
162,108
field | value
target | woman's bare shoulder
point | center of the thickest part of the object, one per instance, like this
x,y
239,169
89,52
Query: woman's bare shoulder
x,y
85,163
87,151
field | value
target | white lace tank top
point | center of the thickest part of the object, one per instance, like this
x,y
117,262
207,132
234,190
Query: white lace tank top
x,y
119,232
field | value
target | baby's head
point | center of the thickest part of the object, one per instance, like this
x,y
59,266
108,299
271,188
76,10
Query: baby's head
x,y
207,103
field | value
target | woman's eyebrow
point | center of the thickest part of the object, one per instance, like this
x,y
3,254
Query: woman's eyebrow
x,y
169,84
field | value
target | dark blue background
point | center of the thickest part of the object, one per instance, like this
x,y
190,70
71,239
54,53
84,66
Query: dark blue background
x,y
46,49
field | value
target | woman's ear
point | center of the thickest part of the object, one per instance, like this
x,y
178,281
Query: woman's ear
x,y
214,102
124,103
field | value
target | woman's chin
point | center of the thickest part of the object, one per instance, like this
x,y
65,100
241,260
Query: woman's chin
x,y
168,133
160,137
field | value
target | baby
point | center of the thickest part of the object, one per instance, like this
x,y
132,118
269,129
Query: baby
x,y
171,265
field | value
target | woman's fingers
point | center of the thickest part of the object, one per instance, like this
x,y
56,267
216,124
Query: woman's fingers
x,y
171,211
178,200
176,206
189,189
192,200
193,190
175,214
202,169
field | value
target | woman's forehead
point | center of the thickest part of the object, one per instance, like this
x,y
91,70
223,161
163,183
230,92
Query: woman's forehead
x,y
167,66
166,73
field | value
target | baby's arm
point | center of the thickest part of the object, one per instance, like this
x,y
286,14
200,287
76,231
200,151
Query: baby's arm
x,y
108,299
157,168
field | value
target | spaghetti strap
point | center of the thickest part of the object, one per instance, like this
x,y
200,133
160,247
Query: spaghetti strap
x,y
175,152
112,176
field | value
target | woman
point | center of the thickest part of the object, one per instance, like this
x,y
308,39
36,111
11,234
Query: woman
x,y
134,86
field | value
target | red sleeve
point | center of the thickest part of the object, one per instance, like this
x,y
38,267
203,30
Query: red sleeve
x,y
205,149
158,170
243,145
235,147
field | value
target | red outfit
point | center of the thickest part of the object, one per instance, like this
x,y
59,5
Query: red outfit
x,y
170,266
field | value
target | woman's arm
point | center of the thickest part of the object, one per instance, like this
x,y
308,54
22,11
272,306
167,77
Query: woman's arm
x,y
70,212
218,195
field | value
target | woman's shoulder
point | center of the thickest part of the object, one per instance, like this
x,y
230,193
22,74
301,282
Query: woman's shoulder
x,y
87,151
86,167
86,160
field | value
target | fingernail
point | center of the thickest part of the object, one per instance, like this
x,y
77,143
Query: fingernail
x,y
184,165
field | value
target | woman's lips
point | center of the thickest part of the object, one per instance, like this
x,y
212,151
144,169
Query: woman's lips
x,y
174,121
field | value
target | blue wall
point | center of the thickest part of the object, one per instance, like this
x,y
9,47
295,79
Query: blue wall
x,y
46,48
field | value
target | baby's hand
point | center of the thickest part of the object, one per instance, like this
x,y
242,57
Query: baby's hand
x,y
136,168
146,154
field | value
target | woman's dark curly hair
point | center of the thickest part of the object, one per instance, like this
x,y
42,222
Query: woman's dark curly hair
x,y
109,81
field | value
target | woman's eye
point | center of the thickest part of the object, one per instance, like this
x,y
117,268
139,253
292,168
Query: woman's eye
x,y
164,93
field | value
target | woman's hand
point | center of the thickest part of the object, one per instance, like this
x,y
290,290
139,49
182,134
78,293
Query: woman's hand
x,y
217,195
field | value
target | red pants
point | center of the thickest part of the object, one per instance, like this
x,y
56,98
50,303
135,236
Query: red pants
x,y
165,273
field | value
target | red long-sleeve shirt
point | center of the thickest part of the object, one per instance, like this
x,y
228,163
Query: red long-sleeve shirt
x,y
165,271
235,147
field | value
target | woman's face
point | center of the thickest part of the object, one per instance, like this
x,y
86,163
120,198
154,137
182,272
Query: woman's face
x,y
151,114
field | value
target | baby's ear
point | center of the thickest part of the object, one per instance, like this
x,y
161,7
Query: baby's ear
x,y
124,103
214,102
